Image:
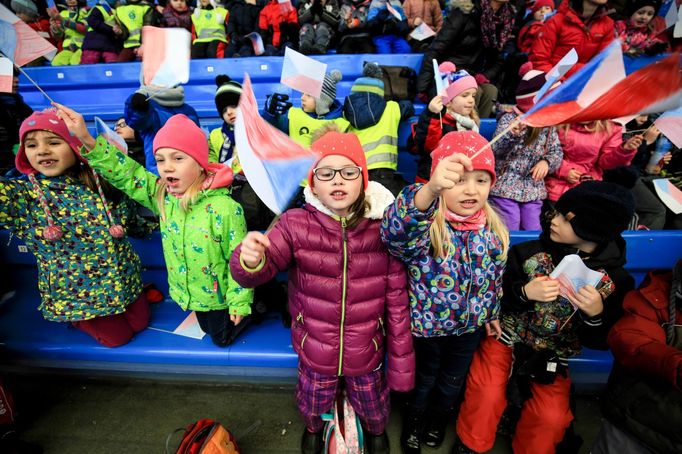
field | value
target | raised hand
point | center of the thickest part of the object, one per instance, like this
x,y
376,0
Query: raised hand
x,y
253,250
76,124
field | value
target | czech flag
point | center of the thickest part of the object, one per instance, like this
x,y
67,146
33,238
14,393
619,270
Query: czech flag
x,y
165,57
272,162
19,42
670,124
600,90
6,75
110,135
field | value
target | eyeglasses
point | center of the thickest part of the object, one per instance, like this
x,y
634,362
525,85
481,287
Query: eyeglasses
x,y
328,174
120,124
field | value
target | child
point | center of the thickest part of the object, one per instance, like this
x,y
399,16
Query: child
x,y
200,223
176,14
541,329
278,24
69,24
538,15
523,158
455,248
102,39
131,17
319,22
388,27
346,293
354,35
454,110
221,140
243,20
88,273
376,121
637,34
423,12
301,122
208,30
589,149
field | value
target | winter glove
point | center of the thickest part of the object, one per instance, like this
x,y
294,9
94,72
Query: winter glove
x,y
139,102
481,79
277,104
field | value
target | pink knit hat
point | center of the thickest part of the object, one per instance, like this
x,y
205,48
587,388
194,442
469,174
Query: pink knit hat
x,y
343,144
48,120
466,143
458,81
181,133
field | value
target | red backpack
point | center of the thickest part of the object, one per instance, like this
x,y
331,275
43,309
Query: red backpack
x,y
206,437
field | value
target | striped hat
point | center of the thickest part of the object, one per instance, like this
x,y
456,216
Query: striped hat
x,y
227,94
532,81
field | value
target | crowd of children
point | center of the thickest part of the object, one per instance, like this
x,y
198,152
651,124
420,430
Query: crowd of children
x,y
417,275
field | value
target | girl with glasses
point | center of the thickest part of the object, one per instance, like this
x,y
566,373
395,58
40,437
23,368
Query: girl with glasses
x,y
347,295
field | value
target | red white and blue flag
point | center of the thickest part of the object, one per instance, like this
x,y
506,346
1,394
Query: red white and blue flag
x,y
165,57
272,162
6,75
601,90
670,124
19,42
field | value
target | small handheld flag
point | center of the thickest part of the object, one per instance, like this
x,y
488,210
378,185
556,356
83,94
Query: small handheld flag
x,y
165,61
303,73
6,75
19,42
110,135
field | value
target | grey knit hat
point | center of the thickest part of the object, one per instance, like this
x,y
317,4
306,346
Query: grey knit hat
x,y
328,95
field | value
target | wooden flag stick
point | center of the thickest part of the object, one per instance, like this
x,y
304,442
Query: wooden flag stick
x,y
514,123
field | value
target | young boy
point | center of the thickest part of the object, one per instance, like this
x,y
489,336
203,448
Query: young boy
x,y
221,140
541,328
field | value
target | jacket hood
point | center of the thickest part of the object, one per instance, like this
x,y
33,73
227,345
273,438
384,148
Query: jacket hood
x,y
335,111
377,196
363,109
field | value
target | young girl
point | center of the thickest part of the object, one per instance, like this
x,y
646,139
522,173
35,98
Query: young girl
x,y
637,34
200,223
454,110
102,40
455,248
523,157
209,36
541,329
589,149
88,274
176,14
346,293
70,25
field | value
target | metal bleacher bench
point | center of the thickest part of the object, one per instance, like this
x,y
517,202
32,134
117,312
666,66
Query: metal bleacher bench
x,y
264,352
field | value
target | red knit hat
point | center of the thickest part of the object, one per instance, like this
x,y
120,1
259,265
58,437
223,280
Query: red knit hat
x,y
181,133
466,143
540,3
48,120
342,144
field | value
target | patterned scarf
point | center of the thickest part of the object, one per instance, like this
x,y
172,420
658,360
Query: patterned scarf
x,y
475,221
491,22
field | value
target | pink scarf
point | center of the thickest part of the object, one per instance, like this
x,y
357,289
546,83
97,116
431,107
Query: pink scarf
x,y
475,221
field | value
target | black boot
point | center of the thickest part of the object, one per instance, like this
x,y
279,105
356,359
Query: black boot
x,y
461,448
410,438
312,442
376,444
434,434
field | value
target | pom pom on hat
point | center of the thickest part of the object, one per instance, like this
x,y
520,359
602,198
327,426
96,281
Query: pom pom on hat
x,y
372,69
52,233
117,231
598,211
328,94
458,81
467,143
227,94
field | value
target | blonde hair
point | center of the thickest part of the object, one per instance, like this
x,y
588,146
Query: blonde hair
x,y
186,200
594,127
441,241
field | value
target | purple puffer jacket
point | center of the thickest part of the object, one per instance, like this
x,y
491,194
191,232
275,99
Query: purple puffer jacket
x,y
334,335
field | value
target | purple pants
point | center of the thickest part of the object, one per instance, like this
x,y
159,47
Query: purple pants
x,y
518,215
90,57
367,394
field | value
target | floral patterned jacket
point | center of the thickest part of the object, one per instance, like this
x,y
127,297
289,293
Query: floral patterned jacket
x,y
450,296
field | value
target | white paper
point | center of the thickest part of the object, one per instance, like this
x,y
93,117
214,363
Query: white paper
x,y
189,327
573,275
440,83
422,32
669,194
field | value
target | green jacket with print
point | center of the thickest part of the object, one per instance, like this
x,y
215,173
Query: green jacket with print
x,y
85,274
197,244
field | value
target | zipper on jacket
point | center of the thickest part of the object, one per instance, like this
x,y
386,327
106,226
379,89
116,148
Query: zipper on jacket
x,y
299,318
381,325
303,340
343,292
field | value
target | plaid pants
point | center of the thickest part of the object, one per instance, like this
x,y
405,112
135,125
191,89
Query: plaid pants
x,y
367,394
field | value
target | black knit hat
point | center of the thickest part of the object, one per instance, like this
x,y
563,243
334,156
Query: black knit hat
x,y
598,211
227,94
636,5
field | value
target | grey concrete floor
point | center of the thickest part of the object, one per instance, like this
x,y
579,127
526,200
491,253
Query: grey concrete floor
x,y
68,415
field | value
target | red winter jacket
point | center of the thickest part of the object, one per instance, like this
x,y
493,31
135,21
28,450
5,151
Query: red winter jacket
x,y
590,153
638,339
273,19
566,30
528,34
329,328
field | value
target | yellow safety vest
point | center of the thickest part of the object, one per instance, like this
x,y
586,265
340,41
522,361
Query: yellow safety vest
x,y
72,36
109,18
215,144
132,18
209,24
302,126
380,142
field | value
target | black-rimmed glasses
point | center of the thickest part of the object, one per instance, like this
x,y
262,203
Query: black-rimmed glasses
x,y
328,174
